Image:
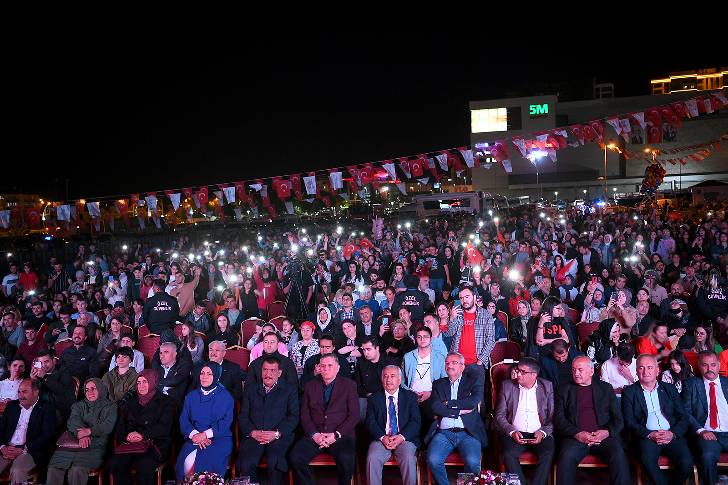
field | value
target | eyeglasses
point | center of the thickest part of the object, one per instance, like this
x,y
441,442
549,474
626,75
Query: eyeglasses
x,y
521,371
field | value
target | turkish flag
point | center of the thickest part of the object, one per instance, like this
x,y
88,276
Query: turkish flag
x,y
202,197
349,250
355,177
32,216
598,128
578,132
367,174
240,191
669,116
366,243
654,134
473,255
678,107
296,185
653,117
417,168
282,187
589,133
453,160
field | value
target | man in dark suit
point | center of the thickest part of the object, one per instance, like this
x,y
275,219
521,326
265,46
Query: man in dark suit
x,y
525,417
174,373
267,420
589,420
654,414
367,326
329,414
587,255
455,401
27,429
707,412
393,420
327,345
232,376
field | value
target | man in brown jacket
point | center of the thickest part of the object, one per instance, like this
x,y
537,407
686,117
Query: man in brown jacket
x,y
524,415
185,292
329,413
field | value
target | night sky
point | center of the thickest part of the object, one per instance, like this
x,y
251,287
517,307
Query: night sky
x,y
120,118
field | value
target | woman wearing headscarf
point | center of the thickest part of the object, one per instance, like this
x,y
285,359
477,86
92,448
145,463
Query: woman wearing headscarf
x,y
92,422
593,305
206,420
147,415
604,340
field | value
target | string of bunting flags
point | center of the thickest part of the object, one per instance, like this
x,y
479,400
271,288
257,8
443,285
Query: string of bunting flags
x,y
246,198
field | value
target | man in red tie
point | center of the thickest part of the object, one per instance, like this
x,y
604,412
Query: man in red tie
x,y
705,401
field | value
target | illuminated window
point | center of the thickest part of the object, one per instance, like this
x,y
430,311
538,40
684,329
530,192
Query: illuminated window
x,y
488,120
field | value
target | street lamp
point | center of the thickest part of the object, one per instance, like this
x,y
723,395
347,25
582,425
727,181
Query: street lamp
x,y
556,194
612,146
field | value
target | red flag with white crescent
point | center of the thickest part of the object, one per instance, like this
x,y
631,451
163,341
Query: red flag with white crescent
x,y
474,256
569,268
350,249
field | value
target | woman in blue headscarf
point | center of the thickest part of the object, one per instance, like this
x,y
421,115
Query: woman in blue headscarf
x,y
206,420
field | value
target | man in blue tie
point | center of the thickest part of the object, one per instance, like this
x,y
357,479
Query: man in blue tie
x,y
393,417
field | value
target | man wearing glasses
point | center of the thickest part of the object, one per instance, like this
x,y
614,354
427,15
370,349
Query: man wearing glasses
x,y
524,415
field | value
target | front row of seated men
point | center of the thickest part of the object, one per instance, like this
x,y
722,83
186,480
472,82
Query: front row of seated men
x,y
584,415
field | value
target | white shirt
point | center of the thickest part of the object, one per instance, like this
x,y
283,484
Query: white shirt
x,y
137,363
387,428
422,381
447,423
610,373
21,431
166,370
722,407
656,420
526,417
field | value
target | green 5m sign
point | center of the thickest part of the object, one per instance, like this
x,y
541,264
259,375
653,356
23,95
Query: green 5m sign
x,y
538,110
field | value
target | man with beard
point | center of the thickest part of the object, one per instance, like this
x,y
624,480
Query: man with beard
x,y
473,331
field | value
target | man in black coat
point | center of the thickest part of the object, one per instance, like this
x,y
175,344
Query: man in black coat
x,y
311,370
27,429
174,373
268,418
56,385
416,301
232,376
654,414
161,310
589,420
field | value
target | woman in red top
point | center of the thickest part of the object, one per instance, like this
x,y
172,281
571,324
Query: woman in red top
x,y
265,288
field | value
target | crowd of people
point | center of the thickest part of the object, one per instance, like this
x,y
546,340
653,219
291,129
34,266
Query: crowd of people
x,y
375,344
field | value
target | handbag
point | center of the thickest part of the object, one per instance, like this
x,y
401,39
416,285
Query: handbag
x,y
132,448
68,442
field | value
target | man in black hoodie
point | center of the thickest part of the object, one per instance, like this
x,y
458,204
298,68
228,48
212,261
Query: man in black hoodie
x,y
416,301
161,310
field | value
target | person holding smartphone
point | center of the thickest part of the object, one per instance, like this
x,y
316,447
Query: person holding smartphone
x,y
524,416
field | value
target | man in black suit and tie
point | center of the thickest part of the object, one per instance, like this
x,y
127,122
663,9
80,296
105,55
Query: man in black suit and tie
x,y
455,401
393,420
232,376
27,429
589,420
174,373
654,414
267,420
525,417
707,411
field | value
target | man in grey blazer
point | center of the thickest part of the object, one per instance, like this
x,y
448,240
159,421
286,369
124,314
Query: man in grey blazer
x,y
524,416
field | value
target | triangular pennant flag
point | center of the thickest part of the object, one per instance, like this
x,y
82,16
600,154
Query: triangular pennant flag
x,y
708,105
391,170
142,221
345,196
256,187
238,213
614,123
175,199
5,219
402,188
310,201
640,118
336,180
404,165
507,166
442,161
626,128
151,202
692,107
310,183
93,209
467,156
218,194
157,221
424,181
289,206
63,213
229,194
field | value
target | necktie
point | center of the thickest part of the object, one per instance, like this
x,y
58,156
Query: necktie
x,y
713,408
394,429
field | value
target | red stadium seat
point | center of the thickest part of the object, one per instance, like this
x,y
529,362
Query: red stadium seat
x,y
503,317
663,463
238,355
62,345
583,330
278,321
276,308
589,461
148,345
574,315
498,373
143,331
505,350
324,459
178,330
248,328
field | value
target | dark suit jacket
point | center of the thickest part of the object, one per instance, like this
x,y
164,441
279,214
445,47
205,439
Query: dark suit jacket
x,y
408,415
177,380
696,401
255,370
376,324
470,394
232,378
594,261
278,410
508,405
41,429
609,416
342,413
634,409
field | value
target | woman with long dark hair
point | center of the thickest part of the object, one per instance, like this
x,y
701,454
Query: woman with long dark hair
x,y
678,371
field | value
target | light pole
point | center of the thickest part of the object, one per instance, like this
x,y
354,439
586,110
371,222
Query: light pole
x,y
611,145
